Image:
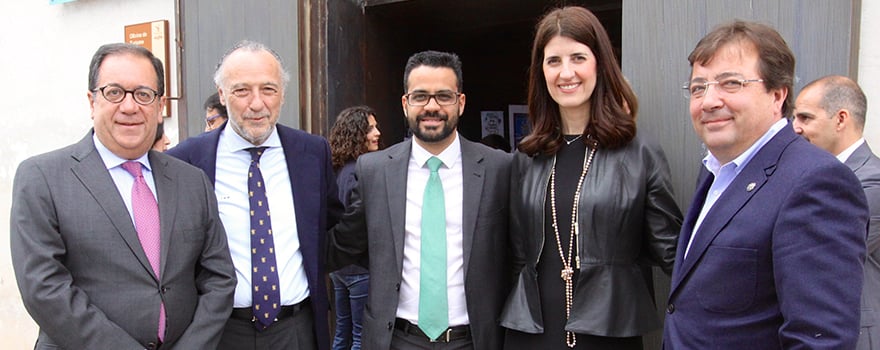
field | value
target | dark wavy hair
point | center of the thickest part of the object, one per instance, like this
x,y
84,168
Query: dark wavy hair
x,y
613,104
349,134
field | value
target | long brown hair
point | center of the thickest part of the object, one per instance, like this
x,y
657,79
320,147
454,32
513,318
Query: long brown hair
x,y
349,135
613,103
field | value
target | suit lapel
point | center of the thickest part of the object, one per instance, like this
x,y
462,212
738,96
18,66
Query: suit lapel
x,y
395,187
167,195
687,227
746,184
93,174
859,157
473,172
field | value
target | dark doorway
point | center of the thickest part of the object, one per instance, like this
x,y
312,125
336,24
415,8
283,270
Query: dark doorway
x,y
492,38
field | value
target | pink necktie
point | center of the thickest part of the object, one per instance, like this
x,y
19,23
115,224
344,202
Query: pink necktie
x,y
146,222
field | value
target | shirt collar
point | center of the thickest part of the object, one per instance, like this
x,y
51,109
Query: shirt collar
x,y
713,165
449,155
111,160
237,143
843,156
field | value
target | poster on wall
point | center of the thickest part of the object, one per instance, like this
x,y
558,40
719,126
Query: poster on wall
x,y
493,123
519,123
153,36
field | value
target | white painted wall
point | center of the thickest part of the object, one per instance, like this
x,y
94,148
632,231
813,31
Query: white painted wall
x,y
44,68
869,70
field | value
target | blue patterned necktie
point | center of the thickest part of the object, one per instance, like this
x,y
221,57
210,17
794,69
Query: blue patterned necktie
x,y
433,299
264,274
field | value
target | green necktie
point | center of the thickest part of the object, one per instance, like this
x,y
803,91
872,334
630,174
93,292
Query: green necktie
x,y
433,305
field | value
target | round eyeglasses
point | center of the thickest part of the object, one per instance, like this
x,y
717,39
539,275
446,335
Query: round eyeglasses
x,y
115,94
731,86
444,98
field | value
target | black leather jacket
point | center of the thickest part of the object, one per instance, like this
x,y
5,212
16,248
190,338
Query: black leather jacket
x,y
628,216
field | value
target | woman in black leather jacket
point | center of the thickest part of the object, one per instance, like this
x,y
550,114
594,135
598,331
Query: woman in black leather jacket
x,y
595,200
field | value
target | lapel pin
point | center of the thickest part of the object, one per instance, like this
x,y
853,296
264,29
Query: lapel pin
x,y
750,187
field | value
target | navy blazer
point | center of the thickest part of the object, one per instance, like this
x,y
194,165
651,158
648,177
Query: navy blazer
x,y
777,262
314,195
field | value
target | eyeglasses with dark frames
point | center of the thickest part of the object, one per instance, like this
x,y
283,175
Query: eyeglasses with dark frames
x,y
115,94
443,98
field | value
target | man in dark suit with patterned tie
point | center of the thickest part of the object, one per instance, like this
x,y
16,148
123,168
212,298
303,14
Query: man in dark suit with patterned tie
x,y
116,246
830,113
277,195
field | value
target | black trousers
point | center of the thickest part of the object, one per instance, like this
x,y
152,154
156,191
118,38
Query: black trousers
x,y
296,332
403,341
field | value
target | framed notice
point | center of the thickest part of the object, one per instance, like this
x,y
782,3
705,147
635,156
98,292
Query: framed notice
x,y
492,122
519,123
154,37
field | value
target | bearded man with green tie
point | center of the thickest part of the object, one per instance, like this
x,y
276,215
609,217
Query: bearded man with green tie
x,y
432,214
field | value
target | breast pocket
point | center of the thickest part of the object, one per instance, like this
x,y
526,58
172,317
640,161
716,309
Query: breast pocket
x,y
728,279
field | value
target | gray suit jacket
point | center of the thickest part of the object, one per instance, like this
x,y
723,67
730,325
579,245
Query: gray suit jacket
x,y
866,165
374,223
80,267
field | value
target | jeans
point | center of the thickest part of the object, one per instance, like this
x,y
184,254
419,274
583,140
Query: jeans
x,y
351,295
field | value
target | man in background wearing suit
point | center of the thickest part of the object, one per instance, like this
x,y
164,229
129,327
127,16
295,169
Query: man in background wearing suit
x,y
830,113
432,213
257,164
115,246
771,250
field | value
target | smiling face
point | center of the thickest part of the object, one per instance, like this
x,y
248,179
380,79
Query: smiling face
x,y
127,128
433,125
570,73
729,123
253,92
373,134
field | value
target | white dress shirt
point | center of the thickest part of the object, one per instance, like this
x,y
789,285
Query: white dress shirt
x,y
231,187
843,156
453,194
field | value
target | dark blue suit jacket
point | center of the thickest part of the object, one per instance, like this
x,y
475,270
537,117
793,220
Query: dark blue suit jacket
x,y
777,262
314,196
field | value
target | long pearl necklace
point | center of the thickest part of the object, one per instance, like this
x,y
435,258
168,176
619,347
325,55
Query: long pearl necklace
x,y
567,271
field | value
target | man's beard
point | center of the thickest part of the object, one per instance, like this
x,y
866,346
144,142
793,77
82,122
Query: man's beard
x,y
433,135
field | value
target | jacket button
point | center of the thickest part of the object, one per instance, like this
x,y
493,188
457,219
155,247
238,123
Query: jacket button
x,y
670,308
397,287
164,290
390,326
151,345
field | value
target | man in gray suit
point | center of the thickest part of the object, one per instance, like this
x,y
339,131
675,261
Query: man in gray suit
x,y
116,246
398,217
830,113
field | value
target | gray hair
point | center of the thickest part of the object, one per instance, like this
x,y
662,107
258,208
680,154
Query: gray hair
x,y
251,46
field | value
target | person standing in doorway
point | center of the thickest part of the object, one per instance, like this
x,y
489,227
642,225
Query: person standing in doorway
x,y
354,133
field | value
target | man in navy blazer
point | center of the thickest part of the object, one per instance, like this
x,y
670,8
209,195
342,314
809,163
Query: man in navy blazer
x,y
771,251
830,113
301,194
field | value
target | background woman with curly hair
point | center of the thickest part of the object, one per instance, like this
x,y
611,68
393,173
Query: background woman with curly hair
x,y
354,133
